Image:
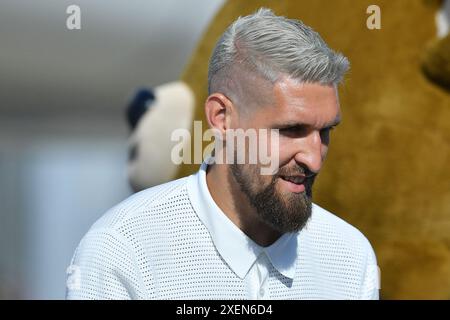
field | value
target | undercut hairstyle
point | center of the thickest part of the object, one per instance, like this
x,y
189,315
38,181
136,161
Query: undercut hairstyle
x,y
265,47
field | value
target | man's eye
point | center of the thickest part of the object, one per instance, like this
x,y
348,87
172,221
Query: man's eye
x,y
326,130
325,134
292,131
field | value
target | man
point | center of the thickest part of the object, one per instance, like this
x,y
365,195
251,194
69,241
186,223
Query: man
x,y
229,231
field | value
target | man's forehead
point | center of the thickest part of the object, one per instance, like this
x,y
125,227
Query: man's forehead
x,y
293,92
305,103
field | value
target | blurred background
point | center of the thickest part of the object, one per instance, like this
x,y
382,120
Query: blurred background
x,y
63,133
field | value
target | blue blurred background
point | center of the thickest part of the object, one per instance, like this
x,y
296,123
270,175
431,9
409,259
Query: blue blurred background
x,y
63,135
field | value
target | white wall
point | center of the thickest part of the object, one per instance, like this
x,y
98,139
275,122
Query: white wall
x,y
58,177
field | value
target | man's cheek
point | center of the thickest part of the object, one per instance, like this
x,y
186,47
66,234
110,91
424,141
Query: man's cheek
x,y
268,151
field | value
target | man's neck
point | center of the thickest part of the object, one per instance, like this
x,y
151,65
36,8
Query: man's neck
x,y
229,198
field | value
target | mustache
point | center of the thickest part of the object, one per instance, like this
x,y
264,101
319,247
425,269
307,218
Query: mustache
x,y
296,171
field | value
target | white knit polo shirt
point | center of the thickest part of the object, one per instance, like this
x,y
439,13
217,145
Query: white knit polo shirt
x,y
173,242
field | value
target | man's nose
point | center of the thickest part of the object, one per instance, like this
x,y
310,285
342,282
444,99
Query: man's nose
x,y
310,152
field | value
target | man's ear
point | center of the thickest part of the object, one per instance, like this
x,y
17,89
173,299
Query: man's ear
x,y
218,110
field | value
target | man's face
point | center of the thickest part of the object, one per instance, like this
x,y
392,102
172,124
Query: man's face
x,y
304,114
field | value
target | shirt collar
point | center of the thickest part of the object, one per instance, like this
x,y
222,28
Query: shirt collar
x,y
235,247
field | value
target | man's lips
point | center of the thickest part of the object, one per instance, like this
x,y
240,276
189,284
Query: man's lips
x,y
294,183
297,179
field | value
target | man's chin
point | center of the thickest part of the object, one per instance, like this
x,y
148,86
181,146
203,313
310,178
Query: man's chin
x,y
290,227
292,215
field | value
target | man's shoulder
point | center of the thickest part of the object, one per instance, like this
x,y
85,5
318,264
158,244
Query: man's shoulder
x,y
106,259
333,231
141,203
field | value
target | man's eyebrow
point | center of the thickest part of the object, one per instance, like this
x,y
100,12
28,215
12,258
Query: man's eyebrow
x,y
335,122
289,125
299,125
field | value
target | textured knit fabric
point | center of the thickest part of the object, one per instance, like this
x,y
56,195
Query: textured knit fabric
x,y
246,258
170,242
